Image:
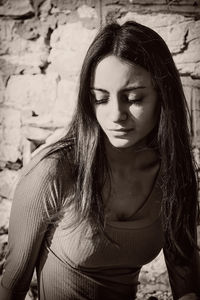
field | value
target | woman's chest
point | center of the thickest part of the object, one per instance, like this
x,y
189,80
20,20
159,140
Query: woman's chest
x,y
133,244
126,195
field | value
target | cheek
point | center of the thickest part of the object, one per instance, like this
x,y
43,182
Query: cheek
x,y
144,114
101,115
137,112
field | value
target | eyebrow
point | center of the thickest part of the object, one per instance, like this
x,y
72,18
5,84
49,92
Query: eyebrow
x,y
98,89
131,88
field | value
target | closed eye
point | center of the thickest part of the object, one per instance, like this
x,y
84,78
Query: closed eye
x,y
133,99
136,101
100,101
99,97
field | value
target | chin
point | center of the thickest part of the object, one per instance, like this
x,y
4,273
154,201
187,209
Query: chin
x,y
121,143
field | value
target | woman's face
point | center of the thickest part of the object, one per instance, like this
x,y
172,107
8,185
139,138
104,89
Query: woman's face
x,y
125,101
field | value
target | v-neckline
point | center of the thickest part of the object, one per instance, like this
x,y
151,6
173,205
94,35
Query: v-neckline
x,y
137,215
147,201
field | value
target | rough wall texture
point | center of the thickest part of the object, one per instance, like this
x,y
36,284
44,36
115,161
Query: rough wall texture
x,y
42,46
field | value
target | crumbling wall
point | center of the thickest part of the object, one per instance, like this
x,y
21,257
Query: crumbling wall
x,y
43,43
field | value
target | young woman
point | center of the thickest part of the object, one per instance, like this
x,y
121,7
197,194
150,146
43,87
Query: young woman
x,y
93,208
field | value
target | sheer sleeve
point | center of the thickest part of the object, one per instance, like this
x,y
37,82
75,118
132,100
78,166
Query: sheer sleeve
x,y
36,197
184,278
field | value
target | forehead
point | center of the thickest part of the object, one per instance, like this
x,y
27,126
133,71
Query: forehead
x,y
113,72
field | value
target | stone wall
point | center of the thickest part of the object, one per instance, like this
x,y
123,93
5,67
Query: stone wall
x,y
42,46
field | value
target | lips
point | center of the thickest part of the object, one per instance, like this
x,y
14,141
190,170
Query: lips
x,y
121,130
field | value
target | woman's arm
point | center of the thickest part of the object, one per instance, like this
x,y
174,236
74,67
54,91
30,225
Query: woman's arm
x,y
184,278
35,195
7,294
190,296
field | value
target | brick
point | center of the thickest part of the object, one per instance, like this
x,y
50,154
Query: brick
x,y
17,8
36,93
72,4
69,45
188,95
8,181
196,114
65,103
192,52
194,29
29,119
134,2
44,9
154,278
10,135
6,35
172,28
29,29
148,6
2,88
38,135
17,50
6,70
27,52
85,11
189,55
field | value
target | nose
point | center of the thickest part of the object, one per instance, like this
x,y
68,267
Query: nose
x,y
118,111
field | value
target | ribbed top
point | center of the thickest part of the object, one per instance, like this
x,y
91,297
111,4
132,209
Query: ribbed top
x,y
40,192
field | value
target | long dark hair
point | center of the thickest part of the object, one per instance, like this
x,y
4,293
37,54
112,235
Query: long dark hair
x,y
139,45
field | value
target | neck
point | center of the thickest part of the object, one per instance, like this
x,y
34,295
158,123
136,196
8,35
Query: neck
x,y
138,156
